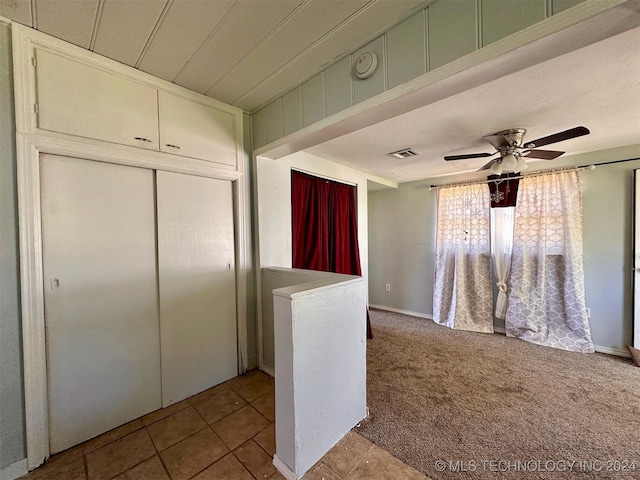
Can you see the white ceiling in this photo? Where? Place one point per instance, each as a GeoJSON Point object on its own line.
{"type": "Point", "coordinates": [597, 86]}
{"type": "Point", "coordinates": [242, 52]}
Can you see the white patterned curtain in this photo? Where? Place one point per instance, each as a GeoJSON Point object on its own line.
{"type": "Point", "coordinates": [502, 224]}
{"type": "Point", "coordinates": [462, 296]}
{"type": "Point", "coordinates": [546, 301]}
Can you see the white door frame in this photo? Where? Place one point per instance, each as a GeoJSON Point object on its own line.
{"type": "Point", "coordinates": [29, 148]}
{"type": "Point", "coordinates": [636, 259]}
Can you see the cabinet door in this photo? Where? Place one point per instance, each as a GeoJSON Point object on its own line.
{"type": "Point", "coordinates": [196, 271]}
{"type": "Point", "coordinates": [86, 101]}
{"type": "Point", "coordinates": [101, 297]}
{"type": "Point", "coordinates": [196, 130]}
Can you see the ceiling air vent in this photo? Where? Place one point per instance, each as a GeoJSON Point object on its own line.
{"type": "Point", "coordinates": [404, 153]}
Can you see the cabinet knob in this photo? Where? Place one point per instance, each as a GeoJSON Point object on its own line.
{"type": "Point", "coordinates": [170, 145]}
{"type": "Point", "coordinates": [142, 139]}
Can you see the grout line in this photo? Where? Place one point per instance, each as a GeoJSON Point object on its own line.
{"type": "Point", "coordinates": [208, 466]}
{"type": "Point", "coordinates": [199, 414]}
{"type": "Point", "coordinates": [333, 471]}
{"type": "Point", "coordinates": [243, 464]}
{"type": "Point", "coordinates": [85, 465]}
{"type": "Point", "coordinates": [363, 458]}
{"type": "Point", "coordinates": [254, 441]}
{"type": "Point", "coordinates": [166, 469]}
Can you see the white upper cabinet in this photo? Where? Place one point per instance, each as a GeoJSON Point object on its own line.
{"type": "Point", "coordinates": [67, 94]}
{"type": "Point", "coordinates": [196, 130]}
{"type": "Point", "coordinates": [86, 101]}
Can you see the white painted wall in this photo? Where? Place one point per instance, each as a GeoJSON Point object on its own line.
{"type": "Point", "coordinates": [320, 338]}
{"type": "Point", "coordinates": [273, 180]}
{"type": "Point", "coordinates": [271, 279]}
{"type": "Point", "coordinates": [402, 244]}
{"type": "Point", "coordinates": [274, 204]}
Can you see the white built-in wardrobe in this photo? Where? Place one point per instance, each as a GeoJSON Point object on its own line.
{"type": "Point", "coordinates": [139, 292]}
{"type": "Point", "coordinates": [131, 211]}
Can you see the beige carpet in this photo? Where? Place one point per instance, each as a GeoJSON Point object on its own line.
{"type": "Point", "coordinates": [496, 407]}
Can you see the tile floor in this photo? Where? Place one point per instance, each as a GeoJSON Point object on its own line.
{"type": "Point", "coordinates": [226, 432]}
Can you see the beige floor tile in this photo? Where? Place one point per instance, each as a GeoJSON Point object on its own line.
{"type": "Point", "coordinates": [151, 469]}
{"type": "Point", "coordinates": [207, 393]}
{"type": "Point", "coordinates": [227, 468]}
{"type": "Point", "coordinates": [266, 405]}
{"type": "Point", "coordinates": [240, 426]}
{"type": "Point", "coordinates": [111, 436]}
{"type": "Point", "coordinates": [345, 456]}
{"type": "Point", "coordinates": [255, 459]}
{"type": "Point", "coordinates": [380, 465]}
{"type": "Point", "coordinates": [252, 385]}
{"type": "Point", "coordinates": [320, 472]}
{"type": "Point", "coordinates": [175, 428]}
{"type": "Point", "coordinates": [153, 417]}
{"type": "Point", "coordinates": [70, 471]}
{"type": "Point", "coordinates": [219, 405]}
{"type": "Point", "coordinates": [190, 456]}
{"type": "Point", "coordinates": [119, 456]}
{"type": "Point", "coordinates": [267, 439]}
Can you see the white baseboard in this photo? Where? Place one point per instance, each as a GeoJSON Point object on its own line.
{"type": "Point", "coordinates": [14, 470]}
{"type": "Point", "coordinates": [613, 351]}
{"type": "Point", "coordinates": [404, 312]}
{"type": "Point", "coordinates": [283, 468]}
{"type": "Point", "coordinates": [620, 352]}
{"type": "Point", "coordinates": [268, 371]}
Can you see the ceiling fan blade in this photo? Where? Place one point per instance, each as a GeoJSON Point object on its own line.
{"type": "Point", "coordinates": [469, 155]}
{"type": "Point", "coordinates": [558, 137]}
{"type": "Point", "coordinates": [488, 165]}
{"type": "Point", "coordinates": [497, 140]}
{"type": "Point", "coordinates": [544, 154]}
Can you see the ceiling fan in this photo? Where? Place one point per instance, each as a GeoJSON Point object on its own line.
{"type": "Point", "coordinates": [511, 149]}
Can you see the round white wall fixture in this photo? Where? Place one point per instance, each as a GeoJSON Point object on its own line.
{"type": "Point", "coordinates": [366, 65]}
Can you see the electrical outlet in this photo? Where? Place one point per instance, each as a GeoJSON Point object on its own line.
{"type": "Point", "coordinates": [387, 287]}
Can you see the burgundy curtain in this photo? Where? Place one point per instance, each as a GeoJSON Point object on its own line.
{"type": "Point", "coordinates": [310, 214]}
{"type": "Point", "coordinates": [344, 253]}
{"type": "Point", "coordinates": [325, 226]}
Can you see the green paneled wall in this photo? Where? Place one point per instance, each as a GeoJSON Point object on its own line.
{"type": "Point", "coordinates": [407, 50]}
{"type": "Point", "coordinates": [452, 31]}
{"type": "Point", "coordinates": [441, 33]}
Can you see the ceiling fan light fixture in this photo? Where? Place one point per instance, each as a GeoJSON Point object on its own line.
{"type": "Point", "coordinates": [521, 165]}
{"type": "Point", "coordinates": [509, 163]}
{"type": "Point", "coordinates": [496, 168]}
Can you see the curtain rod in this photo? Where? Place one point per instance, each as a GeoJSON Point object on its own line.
{"type": "Point", "coordinates": [535, 174]}
{"type": "Point", "coordinates": [323, 177]}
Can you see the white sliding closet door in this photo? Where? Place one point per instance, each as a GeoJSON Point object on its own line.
{"type": "Point", "coordinates": [101, 298]}
{"type": "Point", "coordinates": [197, 284]}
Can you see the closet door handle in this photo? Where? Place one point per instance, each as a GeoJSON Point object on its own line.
{"type": "Point", "coordinates": [142, 139]}
{"type": "Point", "coordinates": [170, 145]}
